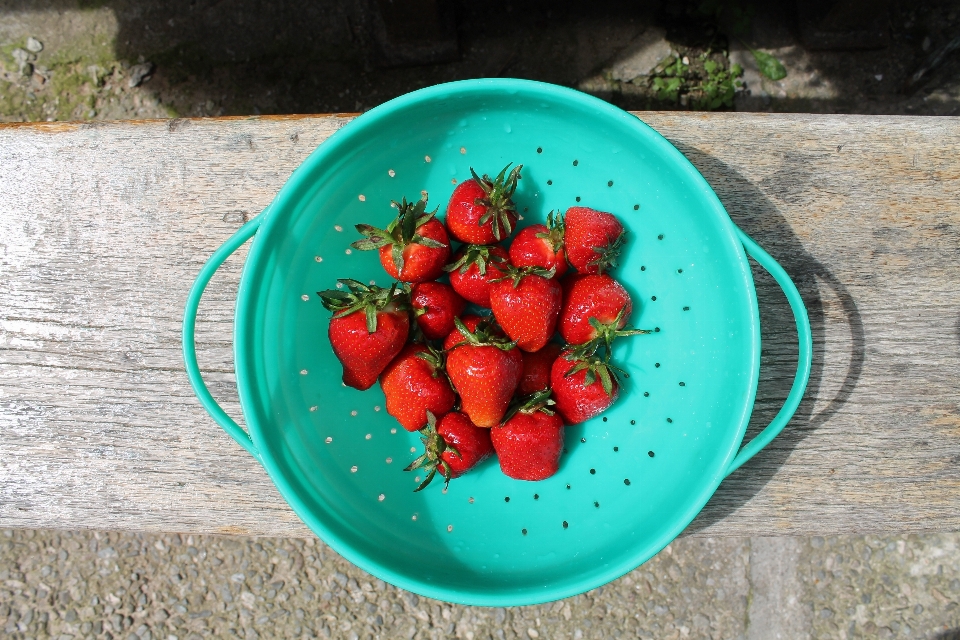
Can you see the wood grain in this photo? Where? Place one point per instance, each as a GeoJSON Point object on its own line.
{"type": "Point", "coordinates": [104, 226]}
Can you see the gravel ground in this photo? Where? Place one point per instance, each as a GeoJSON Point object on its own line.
{"type": "Point", "coordinates": [142, 586]}
{"type": "Point", "coordinates": [58, 584]}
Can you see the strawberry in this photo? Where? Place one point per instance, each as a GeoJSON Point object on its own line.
{"type": "Point", "coordinates": [414, 247]}
{"type": "Point", "coordinates": [536, 369]}
{"type": "Point", "coordinates": [584, 386]}
{"type": "Point", "coordinates": [526, 303]}
{"type": "Point", "coordinates": [529, 443]}
{"type": "Point", "coordinates": [595, 307]}
{"type": "Point", "coordinates": [435, 305]}
{"type": "Point", "coordinates": [472, 323]}
{"type": "Point", "coordinates": [414, 384]}
{"type": "Point", "coordinates": [485, 370]}
{"type": "Point", "coordinates": [472, 270]}
{"type": "Point", "coordinates": [541, 246]}
{"type": "Point", "coordinates": [452, 446]}
{"type": "Point", "coordinates": [481, 211]}
{"type": "Point", "coordinates": [593, 239]}
{"type": "Point", "coordinates": [368, 328]}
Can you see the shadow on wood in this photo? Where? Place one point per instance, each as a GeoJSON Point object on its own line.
{"type": "Point", "coordinates": [760, 218]}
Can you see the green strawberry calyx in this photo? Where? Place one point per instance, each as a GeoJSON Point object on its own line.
{"type": "Point", "coordinates": [498, 199]}
{"type": "Point", "coordinates": [435, 359]}
{"type": "Point", "coordinates": [608, 332]}
{"type": "Point", "coordinates": [476, 254]}
{"type": "Point", "coordinates": [485, 335]}
{"type": "Point", "coordinates": [516, 274]}
{"type": "Point", "coordinates": [538, 401]}
{"type": "Point", "coordinates": [433, 447]}
{"type": "Point", "coordinates": [597, 370]}
{"type": "Point", "coordinates": [371, 299]}
{"type": "Point", "coordinates": [607, 254]}
{"type": "Point", "coordinates": [554, 233]}
{"type": "Point", "coordinates": [400, 233]}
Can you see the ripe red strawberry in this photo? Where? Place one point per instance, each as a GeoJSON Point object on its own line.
{"type": "Point", "coordinates": [594, 307]}
{"type": "Point", "coordinates": [435, 305]}
{"type": "Point", "coordinates": [529, 443]}
{"type": "Point", "coordinates": [481, 210]}
{"type": "Point", "coordinates": [473, 268]}
{"type": "Point", "coordinates": [485, 370]}
{"type": "Point", "coordinates": [593, 239]}
{"type": "Point", "coordinates": [452, 446]}
{"type": "Point", "coordinates": [368, 328]}
{"type": "Point", "coordinates": [414, 247]}
{"type": "Point", "coordinates": [526, 303]}
{"type": "Point", "coordinates": [583, 386]}
{"type": "Point", "coordinates": [536, 369]}
{"type": "Point", "coordinates": [414, 384]}
{"type": "Point", "coordinates": [541, 246]}
{"type": "Point", "coordinates": [472, 323]}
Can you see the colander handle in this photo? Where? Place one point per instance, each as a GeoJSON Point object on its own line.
{"type": "Point", "coordinates": [216, 412]}
{"type": "Point", "coordinates": [805, 355]}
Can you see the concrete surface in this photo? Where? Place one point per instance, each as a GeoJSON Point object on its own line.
{"type": "Point", "coordinates": [146, 586]}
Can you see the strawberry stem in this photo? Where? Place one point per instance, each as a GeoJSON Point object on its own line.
{"type": "Point", "coordinates": [483, 336]}
{"type": "Point", "coordinates": [400, 233]}
{"type": "Point", "coordinates": [517, 274]}
{"type": "Point", "coordinates": [607, 255]}
{"type": "Point", "coordinates": [477, 254]}
{"type": "Point", "coordinates": [370, 298]}
{"type": "Point", "coordinates": [554, 232]}
{"type": "Point", "coordinates": [498, 193]}
{"type": "Point", "coordinates": [430, 460]}
{"type": "Point", "coordinates": [537, 401]}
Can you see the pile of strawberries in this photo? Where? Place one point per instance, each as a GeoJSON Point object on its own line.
{"type": "Point", "coordinates": [475, 384]}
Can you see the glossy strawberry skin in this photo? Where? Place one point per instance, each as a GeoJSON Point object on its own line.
{"type": "Point", "coordinates": [587, 229]}
{"type": "Point", "coordinates": [527, 250]}
{"type": "Point", "coordinates": [485, 377]}
{"type": "Point", "coordinates": [576, 402]}
{"type": "Point", "coordinates": [591, 296]}
{"type": "Point", "coordinates": [420, 263]}
{"type": "Point", "coordinates": [365, 355]}
{"type": "Point", "coordinates": [529, 445]}
{"type": "Point", "coordinates": [412, 386]}
{"type": "Point", "coordinates": [473, 286]}
{"type": "Point", "coordinates": [536, 369]}
{"type": "Point", "coordinates": [471, 442]}
{"type": "Point", "coordinates": [528, 312]}
{"type": "Point", "coordinates": [440, 305]}
{"type": "Point", "coordinates": [463, 215]}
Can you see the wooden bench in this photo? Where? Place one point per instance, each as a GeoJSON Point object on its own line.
{"type": "Point", "coordinates": [103, 227]}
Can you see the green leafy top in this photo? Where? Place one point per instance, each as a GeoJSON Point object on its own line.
{"type": "Point", "coordinates": [486, 334]}
{"type": "Point", "coordinates": [433, 447]}
{"type": "Point", "coordinates": [478, 254]}
{"type": "Point", "coordinates": [369, 298]}
{"type": "Point", "coordinates": [434, 358]}
{"type": "Point", "coordinates": [498, 199]}
{"type": "Point", "coordinates": [400, 233]}
{"type": "Point", "coordinates": [597, 369]}
{"type": "Point", "coordinates": [607, 255]}
{"type": "Point", "coordinates": [516, 274]}
{"type": "Point", "coordinates": [554, 232]}
{"type": "Point", "coordinates": [537, 401]}
{"type": "Point", "coordinates": [607, 333]}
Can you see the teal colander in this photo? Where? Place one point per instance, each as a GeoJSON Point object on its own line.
{"type": "Point", "coordinates": [630, 481]}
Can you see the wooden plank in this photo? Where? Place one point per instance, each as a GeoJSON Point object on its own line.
{"type": "Point", "coordinates": [104, 226]}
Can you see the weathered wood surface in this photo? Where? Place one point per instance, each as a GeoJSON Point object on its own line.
{"type": "Point", "coordinates": [104, 226]}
